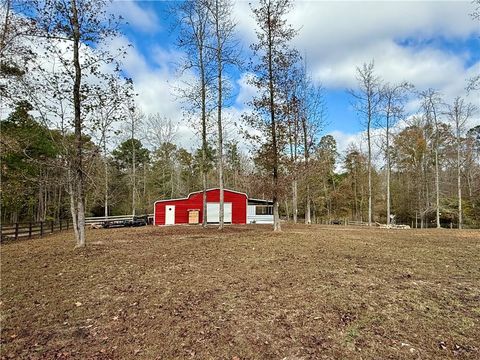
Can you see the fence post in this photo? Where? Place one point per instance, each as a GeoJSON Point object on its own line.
{"type": "Point", "coordinates": [52, 225]}
{"type": "Point", "coordinates": [67, 224]}
{"type": "Point", "coordinates": [30, 230]}
{"type": "Point", "coordinates": [16, 230]}
{"type": "Point", "coordinates": [41, 228]}
{"type": "Point", "coordinates": [60, 225]}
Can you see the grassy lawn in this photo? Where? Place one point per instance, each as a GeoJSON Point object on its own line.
{"type": "Point", "coordinates": [184, 292]}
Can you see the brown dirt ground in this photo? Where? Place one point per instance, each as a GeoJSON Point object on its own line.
{"type": "Point", "coordinates": [313, 292]}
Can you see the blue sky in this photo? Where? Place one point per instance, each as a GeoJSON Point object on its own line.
{"type": "Point", "coordinates": [429, 43]}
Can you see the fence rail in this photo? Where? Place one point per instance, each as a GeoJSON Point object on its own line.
{"type": "Point", "coordinates": [32, 229]}
{"type": "Point", "coordinates": [101, 219]}
{"type": "Point", "coordinates": [357, 223]}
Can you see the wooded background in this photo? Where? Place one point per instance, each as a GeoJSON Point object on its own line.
{"type": "Point", "coordinates": [73, 139]}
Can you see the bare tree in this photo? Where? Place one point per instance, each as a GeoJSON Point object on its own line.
{"type": "Point", "coordinates": [107, 109]}
{"type": "Point", "coordinates": [134, 119]}
{"type": "Point", "coordinates": [80, 26]}
{"type": "Point", "coordinates": [227, 52]}
{"type": "Point", "coordinates": [368, 98]}
{"type": "Point", "coordinates": [275, 58]}
{"type": "Point", "coordinates": [290, 90]}
{"type": "Point", "coordinates": [432, 104]}
{"type": "Point", "coordinates": [312, 118]}
{"type": "Point", "coordinates": [392, 108]}
{"type": "Point", "coordinates": [459, 113]}
{"type": "Point", "coordinates": [193, 21]}
{"type": "Point", "coordinates": [159, 130]}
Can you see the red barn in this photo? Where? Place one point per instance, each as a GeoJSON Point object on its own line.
{"type": "Point", "coordinates": [176, 211]}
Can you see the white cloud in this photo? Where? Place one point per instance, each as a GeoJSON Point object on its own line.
{"type": "Point", "coordinates": [145, 20]}
{"type": "Point", "coordinates": [394, 63]}
{"type": "Point", "coordinates": [337, 36]}
{"type": "Point", "coordinates": [154, 85]}
{"type": "Point", "coordinates": [246, 91]}
{"type": "Point", "coordinates": [330, 25]}
{"type": "Point", "coordinates": [344, 140]}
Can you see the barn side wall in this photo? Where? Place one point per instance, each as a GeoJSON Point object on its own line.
{"type": "Point", "coordinates": [181, 211]}
{"type": "Point", "coordinates": [239, 206]}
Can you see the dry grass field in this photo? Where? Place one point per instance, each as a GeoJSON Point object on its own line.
{"type": "Point", "coordinates": [245, 293]}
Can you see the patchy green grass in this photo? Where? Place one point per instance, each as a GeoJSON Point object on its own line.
{"type": "Point", "coordinates": [184, 292]}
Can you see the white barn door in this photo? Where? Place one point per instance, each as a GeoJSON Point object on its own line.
{"type": "Point", "coordinates": [170, 215]}
{"type": "Point", "coordinates": [213, 212]}
{"type": "Point", "coordinates": [227, 212]}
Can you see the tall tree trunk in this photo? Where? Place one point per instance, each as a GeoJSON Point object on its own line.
{"type": "Point", "coordinates": [308, 210]}
{"type": "Point", "coordinates": [314, 214]}
{"type": "Point", "coordinates": [307, 169]}
{"type": "Point", "coordinates": [418, 185]}
{"type": "Point", "coordinates": [204, 179]}
{"type": "Point", "coordinates": [172, 182]}
{"type": "Point", "coordinates": [134, 169]}
{"type": "Point", "coordinates": [325, 191]}
{"type": "Point", "coordinates": [144, 193]}
{"type": "Point", "coordinates": [469, 187]}
{"type": "Point", "coordinates": [41, 204]}
{"type": "Point", "coordinates": [362, 202]}
{"type": "Point", "coordinates": [388, 168]}
{"type": "Point", "coordinates": [219, 115]}
{"type": "Point", "coordinates": [437, 171]}
{"type": "Point", "coordinates": [355, 196]}
{"type": "Point", "coordinates": [81, 219]}
{"type": "Point", "coordinates": [73, 203]}
{"type": "Point", "coordinates": [459, 177]}
{"type": "Point", "coordinates": [287, 210]}
{"type": "Point", "coordinates": [59, 203]}
{"type": "Point", "coordinates": [276, 214]}
{"type": "Point", "coordinates": [105, 163]}
{"type": "Point", "coordinates": [437, 188]}
{"type": "Point", "coordinates": [204, 133]}
{"type": "Point", "coordinates": [427, 195]}
{"type": "Point", "coordinates": [369, 175]}
{"type": "Point", "coordinates": [78, 162]}
{"type": "Point", "coordinates": [45, 201]}
{"type": "Point", "coordinates": [295, 199]}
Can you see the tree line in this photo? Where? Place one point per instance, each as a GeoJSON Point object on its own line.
{"type": "Point", "coordinates": [75, 141]}
{"type": "Point", "coordinates": [34, 188]}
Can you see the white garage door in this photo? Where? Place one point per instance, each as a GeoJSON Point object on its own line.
{"type": "Point", "coordinates": [213, 212]}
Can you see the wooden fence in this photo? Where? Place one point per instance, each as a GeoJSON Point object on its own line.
{"type": "Point", "coordinates": [32, 229]}
{"type": "Point", "coordinates": [39, 229]}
